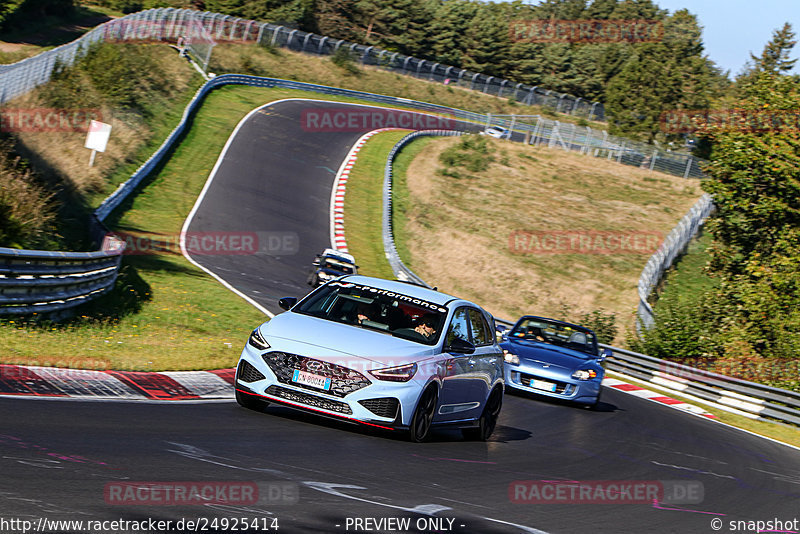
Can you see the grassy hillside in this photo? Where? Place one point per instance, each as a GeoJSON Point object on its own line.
{"type": "Point", "coordinates": [480, 214]}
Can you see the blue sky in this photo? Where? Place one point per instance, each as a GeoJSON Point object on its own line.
{"type": "Point", "coordinates": [734, 28]}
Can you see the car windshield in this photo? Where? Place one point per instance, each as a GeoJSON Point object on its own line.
{"type": "Point", "coordinates": [335, 265]}
{"type": "Point", "coordinates": [376, 309]}
{"type": "Point", "coordinates": [555, 333]}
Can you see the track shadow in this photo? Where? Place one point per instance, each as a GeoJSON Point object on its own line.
{"type": "Point", "coordinates": [502, 434]}
{"type": "Point", "coordinates": [602, 406]}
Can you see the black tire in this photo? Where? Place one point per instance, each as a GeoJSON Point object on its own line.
{"type": "Point", "coordinates": [488, 419]}
{"type": "Point", "coordinates": [595, 405]}
{"type": "Point", "coordinates": [251, 402]}
{"type": "Point", "coordinates": [420, 426]}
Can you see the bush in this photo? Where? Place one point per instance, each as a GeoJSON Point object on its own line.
{"type": "Point", "coordinates": [27, 214]}
{"type": "Point", "coordinates": [471, 153]}
{"type": "Point", "coordinates": [118, 75]}
{"type": "Point", "coordinates": [603, 324]}
{"type": "Point", "coordinates": [344, 59]}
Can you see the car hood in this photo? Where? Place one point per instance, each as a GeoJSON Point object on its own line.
{"type": "Point", "coordinates": [552, 354]}
{"type": "Point", "coordinates": [322, 339]}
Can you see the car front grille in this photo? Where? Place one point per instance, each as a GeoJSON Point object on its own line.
{"type": "Point", "coordinates": [343, 380]}
{"type": "Point", "coordinates": [310, 400]}
{"type": "Point", "coordinates": [383, 407]}
{"type": "Point", "coordinates": [248, 373]}
{"type": "Point", "coordinates": [562, 388]}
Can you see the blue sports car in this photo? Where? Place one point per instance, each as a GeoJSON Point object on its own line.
{"type": "Point", "coordinates": [554, 359]}
{"type": "Point", "coordinates": [384, 354]}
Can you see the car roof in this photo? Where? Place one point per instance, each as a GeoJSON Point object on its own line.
{"type": "Point", "coordinates": [411, 290]}
{"type": "Point", "coordinates": [563, 323]}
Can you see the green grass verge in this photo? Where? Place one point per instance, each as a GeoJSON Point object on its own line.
{"type": "Point", "coordinates": [363, 206]}
{"type": "Point", "coordinates": [685, 281]}
{"type": "Point", "coordinates": [780, 432]}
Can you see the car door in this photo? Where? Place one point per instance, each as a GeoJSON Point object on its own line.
{"type": "Point", "coordinates": [456, 398]}
{"type": "Point", "coordinates": [483, 364]}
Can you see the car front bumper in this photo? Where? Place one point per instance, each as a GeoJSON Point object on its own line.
{"type": "Point", "coordinates": [378, 403]}
{"type": "Point", "coordinates": [533, 380]}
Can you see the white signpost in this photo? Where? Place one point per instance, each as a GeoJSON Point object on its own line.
{"type": "Point", "coordinates": [97, 138]}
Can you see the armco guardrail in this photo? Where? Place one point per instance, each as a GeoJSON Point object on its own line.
{"type": "Point", "coordinates": [674, 245]}
{"type": "Point", "coordinates": [38, 281]}
{"type": "Point", "coordinates": [400, 270]}
{"type": "Point", "coordinates": [240, 79]}
{"type": "Point", "coordinates": [757, 401]}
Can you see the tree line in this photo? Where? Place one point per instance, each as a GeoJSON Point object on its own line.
{"type": "Point", "coordinates": [635, 80]}
{"type": "Point", "coordinates": [751, 315]}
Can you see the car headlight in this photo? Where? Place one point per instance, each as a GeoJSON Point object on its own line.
{"type": "Point", "coordinates": [257, 340]}
{"type": "Point", "coordinates": [510, 357]}
{"type": "Point", "coordinates": [324, 276]}
{"type": "Point", "coordinates": [584, 374]}
{"type": "Point", "coordinates": [401, 373]}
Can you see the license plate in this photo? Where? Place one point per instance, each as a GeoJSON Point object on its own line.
{"type": "Point", "coordinates": [542, 384]}
{"type": "Point", "coordinates": [309, 379]}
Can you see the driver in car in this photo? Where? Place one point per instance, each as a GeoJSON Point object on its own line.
{"type": "Point", "coordinates": [426, 325]}
{"type": "Point", "coordinates": [535, 333]}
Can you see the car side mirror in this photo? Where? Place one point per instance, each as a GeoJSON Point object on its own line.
{"type": "Point", "coordinates": [459, 346]}
{"type": "Point", "coordinates": [605, 353]}
{"type": "Point", "coordinates": [315, 263]}
{"type": "Point", "coordinates": [287, 302]}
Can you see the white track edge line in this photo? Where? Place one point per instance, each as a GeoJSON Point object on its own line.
{"type": "Point", "coordinates": [714, 420]}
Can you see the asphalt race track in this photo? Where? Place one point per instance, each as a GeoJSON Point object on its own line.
{"type": "Point", "coordinates": [275, 180]}
{"type": "Point", "coordinates": [62, 459]}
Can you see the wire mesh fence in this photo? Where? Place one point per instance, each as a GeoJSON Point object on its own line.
{"type": "Point", "coordinates": [538, 130]}
{"type": "Point", "coordinates": [200, 31]}
{"type": "Point", "coordinates": [226, 28]}
{"type": "Point", "coordinates": [179, 26]}
{"type": "Point", "coordinates": [674, 245]}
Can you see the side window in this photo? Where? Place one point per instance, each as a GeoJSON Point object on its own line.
{"type": "Point", "coordinates": [480, 328]}
{"type": "Point", "coordinates": [459, 326]}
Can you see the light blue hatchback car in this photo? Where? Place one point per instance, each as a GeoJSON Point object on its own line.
{"type": "Point", "coordinates": [381, 353]}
